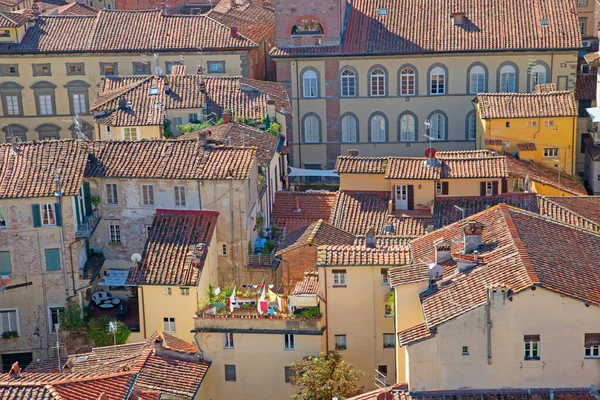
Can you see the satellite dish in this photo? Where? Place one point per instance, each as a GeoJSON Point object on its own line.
{"type": "Point", "coordinates": [430, 152]}
{"type": "Point", "coordinates": [112, 327]}
{"type": "Point", "coordinates": [436, 271]}
{"type": "Point", "coordinates": [158, 71]}
{"type": "Point", "coordinates": [136, 257]}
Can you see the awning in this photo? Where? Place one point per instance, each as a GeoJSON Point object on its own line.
{"type": "Point", "coordinates": [594, 113]}
{"type": "Point", "coordinates": [115, 277]}
{"type": "Point", "coordinates": [328, 173]}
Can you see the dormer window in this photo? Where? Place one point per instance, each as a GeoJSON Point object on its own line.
{"type": "Point", "coordinates": [153, 91]}
{"type": "Point", "coordinates": [458, 18]}
{"type": "Point", "coordinates": [307, 27]}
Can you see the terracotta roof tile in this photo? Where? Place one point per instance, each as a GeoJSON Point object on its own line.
{"type": "Point", "coordinates": [366, 165]}
{"type": "Point", "coordinates": [489, 25]}
{"type": "Point", "coordinates": [407, 226]}
{"type": "Point", "coordinates": [306, 286]}
{"type": "Point", "coordinates": [317, 234]}
{"type": "Point", "coordinates": [585, 207]}
{"type": "Point", "coordinates": [172, 376]}
{"type": "Point", "coordinates": [356, 212]}
{"type": "Point", "coordinates": [585, 87]}
{"type": "Point", "coordinates": [12, 20]}
{"type": "Point", "coordinates": [30, 169]}
{"type": "Point", "coordinates": [414, 334]}
{"type": "Point", "coordinates": [549, 176]}
{"type": "Point", "coordinates": [174, 235]}
{"type": "Point", "coordinates": [527, 105]}
{"type": "Point", "coordinates": [297, 210]}
{"type": "Point", "coordinates": [526, 146]}
{"type": "Point", "coordinates": [356, 255]}
{"type": "Point", "coordinates": [481, 394]}
{"type": "Point", "coordinates": [592, 148]}
{"type": "Point", "coordinates": [72, 9]}
{"type": "Point", "coordinates": [409, 274]}
{"type": "Point", "coordinates": [493, 142]}
{"type": "Point", "coordinates": [255, 22]}
{"type": "Point", "coordinates": [592, 57]}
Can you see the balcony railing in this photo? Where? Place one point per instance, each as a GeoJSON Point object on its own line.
{"type": "Point", "coordinates": [262, 260]}
{"type": "Point", "coordinates": [89, 224]}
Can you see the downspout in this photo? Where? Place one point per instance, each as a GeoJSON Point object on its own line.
{"type": "Point", "coordinates": [45, 296]}
{"type": "Point", "coordinates": [71, 260]}
{"type": "Point", "coordinates": [62, 240]}
{"type": "Point", "coordinates": [298, 123]}
{"type": "Point", "coordinates": [233, 260]}
{"type": "Point", "coordinates": [574, 148]}
{"type": "Point", "coordinates": [141, 295]}
{"type": "Point", "coordinates": [326, 315]}
{"type": "Point", "coordinates": [488, 325]}
{"type": "Point", "coordinates": [199, 196]}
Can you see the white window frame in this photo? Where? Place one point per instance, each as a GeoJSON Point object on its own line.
{"type": "Point", "coordinates": [339, 279]}
{"type": "Point", "coordinates": [387, 343]}
{"type": "Point", "coordinates": [17, 327]}
{"type": "Point", "coordinates": [45, 101]}
{"type": "Point", "coordinates": [477, 79]}
{"type": "Point", "coordinates": [79, 103]}
{"type": "Point", "coordinates": [378, 129]}
{"type": "Point", "coordinates": [437, 81]}
{"type": "Point", "coordinates": [112, 194]}
{"type": "Point", "coordinates": [228, 340]}
{"type": "Point", "coordinates": [169, 324]}
{"type": "Point", "coordinates": [439, 188]}
{"type": "Point", "coordinates": [167, 291]}
{"type": "Point", "coordinates": [593, 350]}
{"type": "Point", "coordinates": [549, 122]}
{"type": "Point", "coordinates": [508, 79]}
{"type": "Point", "coordinates": [407, 128]}
{"type": "Point", "coordinates": [349, 129]}
{"type": "Point", "coordinates": [408, 82]}
{"type": "Point", "coordinates": [540, 73]}
{"type": "Point", "coordinates": [348, 83]}
{"type": "Point", "coordinates": [311, 129]}
{"type": "Point", "coordinates": [60, 310]}
{"type": "Point", "coordinates": [438, 127]}
{"type": "Point", "coordinates": [472, 128]}
{"type": "Point", "coordinates": [48, 214]}
{"type": "Point", "coordinates": [310, 84]}
{"type": "Point", "coordinates": [114, 233]}
{"type": "Point", "coordinates": [377, 82]}
{"type": "Point", "coordinates": [385, 278]}
{"type": "Point", "coordinates": [179, 192]}
{"type": "Point", "coordinates": [184, 291]}
{"type": "Point", "coordinates": [130, 133]}
{"type": "Point", "coordinates": [289, 341]}
{"type": "Point", "coordinates": [551, 152]}
{"type": "Point", "coordinates": [489, 188]}
{"type": "Point", "coordinates": [12, 104]}
{"type": "Point", "coordinates": [148, 195]}
{"type": "Point", "coordinates": [529, 350]}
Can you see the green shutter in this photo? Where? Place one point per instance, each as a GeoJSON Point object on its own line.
{"type": "Point", "coordinates": [5, 267]}
{"type": "Point", "coordinates": [58, 214]}
{"type": "Point", "coordinates": [87, 198]}
{"type": "Point", "coordinates": [78, 215]}
{"type": "Point", "coordinates": [52, 260]}
{"type": "Point", "coordinates": [37, 217]}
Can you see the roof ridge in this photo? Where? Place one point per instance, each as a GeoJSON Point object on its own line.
{"type": "Point", "coordinates": [553, 220]}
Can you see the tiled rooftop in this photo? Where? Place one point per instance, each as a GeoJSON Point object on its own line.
{"type": "Point", "coordinates": [527, 105]}
{"type": "Point", "coordinates": [489, 25]}
{"type": "Point", "coordinates": [254, 21]}
{"type": "Point", "coordinates": [586, 207]}
{"type": "Point", "coordinates": [31, 169]}
{"type": "Point", "coordinates": [308, 285]}
{"type": "Point", "coordinates": [482, 394]}
{"type": "Point", "coordinates": [174, 235]}
{"type": "Point", "coordinates": [409, 274]}
{"type": "Point", "coordinates": [317, 234]}
{"type": "Point", "coordinates": [549, 176]}
{"type": "Point", "coordinates": [297, 210]}
{"type": "Point", "coordinates": [73, 9]}
{"type": "Point", "coordinates": [592, 148]}
{"type": "Point", "coordinates": [359, 255]}
{"type": "Point", "coordinates": [12, 20]}
{"type": "Point", "coordinates": [357, 212]}
{"type": "Point", "coordinates": [585, 86]}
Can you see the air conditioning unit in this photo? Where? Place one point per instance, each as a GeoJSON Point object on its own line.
{"type": "Point", "coordinates": [587, 43]}
{"type": "Point", "coordinates": [506, 144]}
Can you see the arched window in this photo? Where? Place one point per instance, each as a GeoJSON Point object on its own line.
{"type": "Point", "coordinates": [538, 76]}
{"type": "Point", "coordinates": [12, 100]}
{"type": "Point", "coordinates": [312, 128]}
{"type": "Point", "coordinates": [348, 83]}
{"type": "Point", "coordinates": [307, 27]}
{"type": "Point", "coordinates": [310, 84]}
{"type": "Point", "coordinates": [438, 126]}
{"type": "Point", "coordinates": [407, 82]}
{"type": "Point", "coordinates": [407, 128]}
{"type": "Point", "coordinates": [508, 79]}
{"type": "Point", "coordinates": [377, 82]}
{"type": "Point", "coordinates": [48, 132]}
{"type": "Point", "coordinates": [15, 133]}
{"type": "Point", "coordinates": [378, 128]}
{"type": "Point", "coordinates": [477, 79]}
{"type": "Point", "coordinates": [349, 128]}
{"type": "Point", "coordinates": [437, 81]}
{"type": "Point", "coordinates": [472, 127]}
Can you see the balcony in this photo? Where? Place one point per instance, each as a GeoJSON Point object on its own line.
{"type": "Point", "coordinates": [89, 224]}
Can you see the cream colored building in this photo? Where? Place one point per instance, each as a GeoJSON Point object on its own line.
{"type": "Point", "coordinates": [366, 75]}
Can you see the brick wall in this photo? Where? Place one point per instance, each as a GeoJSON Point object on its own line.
{"type": "Point", "coordinates": [298, 262]}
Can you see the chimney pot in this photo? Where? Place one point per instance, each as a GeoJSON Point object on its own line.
{"type": "Point", "coordinates": [234, 32]}
{"type": "Point", "coordinates": [353, 152]}
{"type": "Point", "coordinates": [226, 117]}
{"type": "Point", "coordinates": [442, 251]}
{"type": "Point", "coordinates": [158, 347]}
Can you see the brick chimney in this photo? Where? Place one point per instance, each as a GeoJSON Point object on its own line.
{"type": "Point", "coordinates": [472, 233]}
{"type": "Point", "coordinates": [226, 117]}
{"type": "Point", "coordinates": [353, 152]}
{"type": "Point", "coordinates": [271, 109]}
{"type": "Point", "coordinates": [158, 346]}
{"type": "Point", "coordinates": [234, 32]}
{"type": "Point", "coordinates": [442, 251]}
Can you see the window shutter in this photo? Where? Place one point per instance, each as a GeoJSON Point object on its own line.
{"type": "Point", "coordinates": [58, 214]}
{"type": "Point", "coordinates": [411, 197]}
{"type": "Point", "coordinates": [37, 216]}
{"type": "Point", "coordinates": [495, 188]}
{"type": "Point", "coordinates": [504, 185]}
{"type": "Point", "coordinates": [445, 187]}
{"type": "Point", "coordinates": [87, 198]}
{"type": "Point", "coordinates": [482, 188]}
{"type": "Point", "coordinates": [592, 339]}
{"type": "Point", "coordinates": [77, 210]}
{"type": "Point", "coordinates": [5, 267]}
{"type": "Point", "coordinates": [52, 260]}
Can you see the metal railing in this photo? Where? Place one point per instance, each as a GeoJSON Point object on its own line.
{"type": "Point", "coordinates": [87, 227]}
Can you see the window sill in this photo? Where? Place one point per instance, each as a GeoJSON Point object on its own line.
{"type": "Point", "coordinates": [389, 347]}
{"type": "Point", "coordinates": [228, 348]}
{"type": "Point", "coordinates": [48, 225]}
{"type": "Point", "coordinates": [532, 359]}
{"type": "Point", "coordinates": [592, 357]}
{"type": "Point", "coordinates": [288, 349]}
{"type": "Point", "coordinates": [339, 286]}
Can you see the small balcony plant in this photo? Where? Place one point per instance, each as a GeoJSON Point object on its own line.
{"type": "Point", "coordinates": [10, 335]}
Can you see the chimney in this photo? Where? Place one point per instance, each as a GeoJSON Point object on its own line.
{"type": "Point", "coordinates": [158, 346]}
{"type": "Point", "coordinates": [15, 371]}
{"type": "Point", "coordinates": [271, 109]}
{"type": "Point", "coordinates": [390, 207]}
{"type": "Point", "coordinates": [370, 240]}
{"type": "Point", "coordinates": [298, 209]}
{"type": "Point", "coordinates": [69, 366]}
{"type": "Point", "coordinates": [226, 117]}
{"type": "Point", "coordinates": [353, 152]}
{"type": "Point", "coordinates": [472, 236]}
{"type": "Point", "coordinates": [458, 18]}
{"type": "Point", "coordinates": [234, 32]}
{"type": "Point", "coordinates": [442, 251]}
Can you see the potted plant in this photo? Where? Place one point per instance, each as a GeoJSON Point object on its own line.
{"type": "Point", "coordinates": [95, 200]}
{"type": "Point", "coordinates": [10, 335]}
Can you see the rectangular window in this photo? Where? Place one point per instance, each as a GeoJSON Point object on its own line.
{"type": "Point", "coordinates": [517, 184]}
{"type": "Point", "coordinates": [489, 188]}
{"type": "Point", "coordinates": [8, 321]}
{"type": "Point", "coordinates": [114, 234]}
{"type": "Point", "coordinates": [167, 291]}
{"type": "Point", "coordinates": [148, 195]}
{"type": "Point", "coordinates": [340, 342]}
{"type": "Point", "coordinates": [169, 324]}
{"type": "Point", "coordinates": [52, 259]}
{"type": "Point", "coordinates": [141, 68]}
{"type": "Point", "coordinates": [438, 188]}
{"type": "Point", "coordinates": [194, 118]}
{"type": "Point", "coordinates": [288, 341]}
{"type": "Point", "coordinates": [385, 276]}
{"type": "Point", "coordinates": [9, 70]}
{"type": "Point", "coordinates": [289, 372]}
{"type": "Point", "coordinates": [582, 26]}
{"type": "Point", "coordinates": [108, 69]}
{"type": "Point", "coordinates": [228, 338]}
{"type": "Point", "coordinates": [179, 196]}
{"type": "Point", "coordinates": [2, 217]}
{"type": "Point", "coordinates": [12, 105]}
{"type": "Point", "coordinates": [79, 106]}
{"type": "Point", "coordinates": [389, 340]}
{"type": "Point", "coordinates": [592, 345]}
{"type": "Point", "coordinates": [216, 67]}
{"type": "Point", "coordinates": [111, 194]}
{"type": "Point", "coordinates": [549, 122]}
{"type": "Point", "coordinates": [5, 265]}
{"type": "Point", "coordinates": [48, 215]}
{"type": "Point", "coordinates": [507, 124]}
{"type": "Point", "coordinates": [438, 84]}
{"type": "Point", "coordinates": [581, 109]}
{"type": "Point", "coordinates": [532, 347]}
{"type": "Point", "coordinates": [339, 277]}
{"type": "Point", "coordinates": [75, 69]}
{"type": "Point", "coordinates": [45, 101]}
{"type": "Point", "coordinates": [465, 350]}
{"type": "Point", "coordinates": [550, 152]}
{"type": "Point", "coordinates": [130, 133]}
{"type": "Point", "coordinates": [5, 33]}
{"type": "Point", "coordinates": [532, 123]}
{"type": "Point", "coordinates": [41, 70]}
{"type": "Point", "coordinates": [184, 291]}
{"type": "Point", "coordinates": [582, 3]}
{"type": "Point", "coordinates": [55, 313]}
{"type": "Point", "coordinates": [230, 375]}
{"type": "Point", "coordinates": [389, 311]}
{"type": "Point", "coordinates": [382, 369]}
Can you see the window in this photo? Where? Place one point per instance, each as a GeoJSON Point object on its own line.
{"type": "Point", "coordinates": [8, 321]}
{"type": "Point", "coordinates": [5, 265]}
{"type": "Point", "coordinates": [184, 291]}
{"type": "Point", "coordinates": [508, 79]}
{"type": "Point", "coordinates": [551, 152]}
{"type": "Point", "coordinates": [465, 350]}
{"type": "Point", "coordinates": [377, 77]}
{"type": "Point", "coordinates": [289, 373]}
{"type": "Point", "coordinates": [114, 233]}
{"type": "Point", "coordinates": [48, 132]}
{"type": "Point", "coordinates": [437, 81]}
{"type": "Point", "coordinates": [438, 188]}
{"type": "Point", "coordinates": [108, 69]}
{"type": "Point", "coordinates": [111, 193]}
{"type": "Point", "coordinates": [179, 196]}
{"type": "Point", "coordinates": [581, 109]}
{"type": "Point", "coordinates": [477, 79]}
{"type": "Point", "coordinates": [169, 66]}
{"type": "Point", "coordinates": [288, 341]}
{"type": "Point", "coordinates": [389, 340]}
{"type": "Point", "coordinates": [582, 3]}
{"type": "Point", "coordinates": [45, 104]}
{"type": "Point", "coordinates": [532, 347]}
{"type": "Point", "coordinates": [538, 76]}
{"type": "Point", "coordinates": [228, 340]}
{"type": "Point", "coordinates": [312, 127]}
{"type": "Point", "coordinates": [79, 104]}
{"type": "Point", "coordinates": [388, 311]}
{"type": "Point", "coordinates": [10, 93]}
{"type": "Point", "coordinates": [549, 122]}
{"type": "Point", "coordinates": [340, 342]}
{"type": "Point", "coordinates": [48, 215]}
{"type": "Point", "coordinates": [216, 67]}
{"type": "Point", "coordinates": [2, 217]}
{"type": "Point", "coordinates": [194, 118]}
{"type": "Point", "coordinates": [175, 122]}
{"type": "Point", "coordinates": [408, 82]}
{"type": "Point", "coordinates": [148, 195]}
{"type": "Point", "coordinates": [349, 127]}
{"type": "Point", "coordinates": [533, 123]}
{"type": "Point", "coordinates": [230, 375]}
{"type": "Point", "coordinates": [408, 131]}
{"type": "Point", "coordinates": [223, 249]}
{"type": "Point", "coordinates": [169, 324]}
{"type": "Point", "coordinates": [378, 129]}
{"type": "Point", "coordinates": [518, 184]}
{"type": "Point", "coordinates": [310, 86]}
{"type": "Point", "coordinates": [438, 126]}
{"type": "Point", "coordinates": [582, 26]}
{"type": "Point", "coordinates": [585, 69]}
{"type": "Point", "coordinates": [385, 276]}
{"type": "Point", "coordinates": [130, 133]}
{"type": "Point", "coordinates": [55, 313]}
{"type": "Point", "coordinates": [52, 259]}
{"type": "Point", "coordinates": [167, 291]}
{"type": "Point", "coordinates": [348, 83]}
{"type": "Point", "coordinates": [383, 369]}
{"type": "Point", "coordinates": [75, 68]}
{"type": "Point", "coordinates": [489, 188]}
{"type": "Point", "coordinates": [9, 70]}
{"type": "Point", "coordinates": [507, 124]}
{"type": "Point", "coordinates": [12, 105]}
{"type": "Point", "coordinates": [4, 33]}
{"type": "Point", "coordinates": [339, 277]}
{"type": "Point", "coordinates": [41, 69]}
{"type": "Point", "coordinates": [472, 127]}
{"type": "Point", "coordinates": [592, 345]}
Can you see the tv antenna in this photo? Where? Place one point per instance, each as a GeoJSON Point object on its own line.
{"type": "Point", "coordinates": [158, 70]}
{"type": "Point", "coordinates": [112, 328]}
{"type": "Point", "coordinates": [462, 210]}
{"type": "Point", "coordinates": [77, 127]}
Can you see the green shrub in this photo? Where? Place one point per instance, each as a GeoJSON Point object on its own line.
{"type": "Point", "coordinates": [98, 332]}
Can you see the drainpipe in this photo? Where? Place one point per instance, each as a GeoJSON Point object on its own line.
{"type": "Point", "coordinates": [71, 262]}
{"type": "Point", "coordinates": [233, 260]}
{"type": "Point", "coordinates": [141, 301]}
{"type": "Point", "coordinates": [298, 123]}
{"type": "Point", "coordinates": [488, 325]}
{"type": "Point", "coordinates": [326, 315]}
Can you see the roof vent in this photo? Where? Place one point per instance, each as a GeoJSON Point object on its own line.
{"type": "Point", "coordinates": [458, 18]}
{"type": "Point", "coordinates": [153, 91]}
{"type": "Point", "coordinates": [545, 22]}
{"type": "Point", "coordinates": [382, 11]}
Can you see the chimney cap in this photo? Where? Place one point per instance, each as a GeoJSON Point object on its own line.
{"type": "Point", "coordinates": [473, 228]}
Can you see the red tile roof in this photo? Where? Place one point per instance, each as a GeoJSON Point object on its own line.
{"type": "Point", "coordinates": [365, 165]}
{"type": "Point", "coordinates": [171, 375]}
{"type": "Point", "coordinates": [30, 169]}
{"type": "Point", "coordinates": [12, 20]}
{"type": "Point", "coordinates": [357, 212]}
{"type": "Point", "coordinates": [526, 146]}
{"type": "Point", "coordinates": [585, 86]}
{"type": "Point", "coordinates": [307, 286]}
{"type": "Point", "coordinates": [409, 274]}
{"type": "Point", "coordinates": [407, 226]}
{"type": "Point", "coordinates": [414, 334]}
{"type": "Point", "coordinates": [585, 207]}
{"type": "Point", "coordinates": [174, 235]}
{"type": "Point", "coordinates": [72, 9]}
{"type": "Point", "coordinates": [546, 175]}
{"type": "Point", "coordinates": [489, 25]}
{"type": "Point", "coordinates": [482, 394]}
{"type": "Point", "coordinates": [316, 234]}
{"type": "Point", "coordinates": [296, 210]}
{"type": "Point", "coordinates": [592, 148]}
{"type": "Point", "coordinates": [255, 22]}
{"type": "Point", "coordinates": [527, 105]}
{"type": "Point", "coordinates": [358, 255]}
{"type": "Point", "coordinates": [156, 159]}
